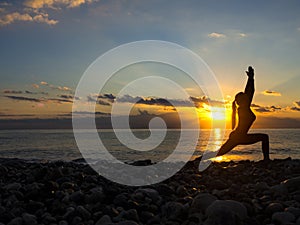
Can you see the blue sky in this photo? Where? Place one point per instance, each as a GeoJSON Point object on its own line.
{"type": "Point", "coordinates": [55, 41]}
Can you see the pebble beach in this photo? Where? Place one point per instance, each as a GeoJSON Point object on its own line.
{"type": "Point", "coordinates": [227, 193]}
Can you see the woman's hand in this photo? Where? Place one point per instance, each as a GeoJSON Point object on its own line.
{"type": "Point", "coordinates": [250, 72]}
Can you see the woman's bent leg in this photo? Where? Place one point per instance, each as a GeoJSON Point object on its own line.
{"type": "Point", "coordinates": [254, 138]}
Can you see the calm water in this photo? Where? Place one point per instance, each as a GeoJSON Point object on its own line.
{"type": "Point", "coordinates": [47, 145]}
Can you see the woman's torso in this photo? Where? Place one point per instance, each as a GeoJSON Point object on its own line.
{"type": "Point", "coordinates": [245, 120]}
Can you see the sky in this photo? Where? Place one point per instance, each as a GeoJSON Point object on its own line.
{"type": "Point", "coordinates": [47, 45]}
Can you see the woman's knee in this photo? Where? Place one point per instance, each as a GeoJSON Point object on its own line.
{"type": "Point", "coordinates": [265, 137]}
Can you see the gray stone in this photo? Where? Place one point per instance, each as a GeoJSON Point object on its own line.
{"type": "Point", "coordinates": [127, 222]}
{"type": "Point", "coordinates": [298, 221]}
{"type": "Point", "coordinates": [201, 202]}
{"type": "Point", "coordinates": [274, 207]}
{"type": "Point", "coordinates": [104, 220]}
{"type": "Point", "coordinates": [16, 221]}
{"type": "Point", "coordinates": [294, 211]}
{"type": "Point", "coordinates": [63, 222]}
{"type": "Point", "coordinates": [172, 210]}
{"type": "Point", "coordinates": [29, 219]}
{"type": "Point", "coordinates": [279, 189]}
{"type": "Point", "coordinates": [283, 217]}
{"type": "Point", "coordinates": [292, 184]}
{"type": "Point", "coordinates": [235, 207]}
{"type": "Point", "coordinates": [84, 213]}
{"type": "Point", "coordinates": [150, 193]}
{"type": "Point", "coordinates": [12, 186]}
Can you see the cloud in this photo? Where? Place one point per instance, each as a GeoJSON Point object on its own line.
{"type": "Point", "coordinates": [22, 98]}
{"type": "Point", "coordinates": [55, 4]}
{"type": "Point", "coordinates": [29, 99]}
{"type": "Point", "coordinates": [265, 109]}
{"type": "Point", "coordinates": [242, 35]}
{"type": "Point", "coordinates": [16, 16]}
{"type": "Point", "coordinates": [35, 86]}
{"type": "Point", "coordinates": [297, 104]}
{"type": "Point", "coordinates": [35, 93]}
{"type": "Point", "coordinates": [35, 10]}
{"type": "Point", "coordinates": [109, 97]}
{"type": "Point", "coordinates": [95, 98]}
{"type": "Point", "coordinates": [61, 88]}
{"type": "Point", "coordinates": [59, 100]}
{"type": "Point", "coordinates": [12, 92]}
{"type": "Point", "coordinates": [68, 97]}
{"type": "Point", "coordinates": [43, 18]}
{"type": "Point", "coordinates": [44, 83]}
{"type": "Point", "coordinates": [271, 93]}
{"type": "Point", "coordinates": [216, 35]}
{"type": "Point", "coordinates": [295, 109]}
{"type": "Point", "coordinates": [153, 101]}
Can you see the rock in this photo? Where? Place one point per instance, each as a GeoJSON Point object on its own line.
{"type": "Point", "coordinates": [181, 191]}
{"type": "Point", "coordinates": [172, 210]}
{"type": "Point", "coordinates": [261, 186]}
{"type": "Point", "coordinates": [77, 197]}
{"type": "Point", "coordinates": [83, 212]}
{"type": "Point", "coordinates": [279, 189]}
{"type": "Point", "coordinates": [165, 190]}
{"type": "Point", "coordinates": [132, 214]}
{"type": "Point", "coordinates": [145, 216]}
{"type": "Point", "coordinates": [235, 207]}
{"type": "Point", "coordinates": [274, 207]}
{"type": "Point", "coordinates": [150, 193]}
{"type": "Point", "coordinates": [298, 221]}
{"type": "Point", "coordinates": [96, 195]}
{"type": "Point", "coordinates": [201, 202]}
{"type": "Point", "coordinates": [292, 184]}
{"type": "Point", "coordinates": [127, 222]}
{"type": "Point", "coordinates": [294, 211]}
{"type": "Point", "coordinates": [217, 184]}
{"type": "Point", "coordinates": [67, 185]}
{"type": "Point", "coordinates": [76, 220]}
{"type": "Point", "coordinates": [29, 219]}
{"type": "Point", "coordinates": [63, 222]}
{"type": "Point", "coordinates": [16, 221]}
{"type": "Point", "coordinates": [104, 220]}
{"type": "Point", "coordinates": [283, 217]}
{"type": "Point", "coordinates": [121, 200]}
{"type": "Point", "coordinates": [12, 187]}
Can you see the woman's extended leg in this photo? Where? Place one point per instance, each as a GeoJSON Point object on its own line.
{"type": "Point", "coordinates": [227, 146]}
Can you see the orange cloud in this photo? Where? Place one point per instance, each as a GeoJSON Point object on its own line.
{"type": "Point", "coordinates": [272, 93]}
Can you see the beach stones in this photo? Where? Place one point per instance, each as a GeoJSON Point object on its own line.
{"type": "Point", "coordinates": [283, 218]}
{"type": "Point", "coordinates": [292, 184]}
{"type": "Point", "coordinates": [232, 193]}
{"type": "Point", "coordinates": [201, 202]}
{"type": "Point", "coordinates": [234, 207]}
{"type": "Point", "coordinates": [274, 207]}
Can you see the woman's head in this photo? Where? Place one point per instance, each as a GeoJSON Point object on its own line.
{"type": "Point", "coordinates": [241, 98]}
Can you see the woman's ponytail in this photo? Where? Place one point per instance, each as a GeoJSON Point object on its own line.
{"type": "Point", "coordinates": [233, 115]}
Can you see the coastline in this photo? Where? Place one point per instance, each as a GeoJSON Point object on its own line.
{"type": "Point", "coordinates": [242, 192]}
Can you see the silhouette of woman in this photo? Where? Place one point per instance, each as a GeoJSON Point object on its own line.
{"type": "Point", "coordinates": [239, 135]}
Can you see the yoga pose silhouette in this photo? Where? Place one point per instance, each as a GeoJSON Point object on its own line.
{"type": "Point", "coordinates": [239, 135]}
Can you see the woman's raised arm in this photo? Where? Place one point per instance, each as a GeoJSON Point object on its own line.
{"type": "Point", "coordinates": [249, 89]}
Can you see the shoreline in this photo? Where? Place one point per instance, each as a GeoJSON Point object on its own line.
{"type": "Point", "coordinates": [235, 192]}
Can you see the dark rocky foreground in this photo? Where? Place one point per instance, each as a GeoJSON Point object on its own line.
{"type": "Point", "coordinates": [227, 193]}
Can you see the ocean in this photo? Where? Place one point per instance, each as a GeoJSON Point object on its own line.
{"type": "Point", "coordinates": [52, 145]}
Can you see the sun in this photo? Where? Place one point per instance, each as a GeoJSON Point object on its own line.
{"type": "Point", "coordinates": [218, 113]}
